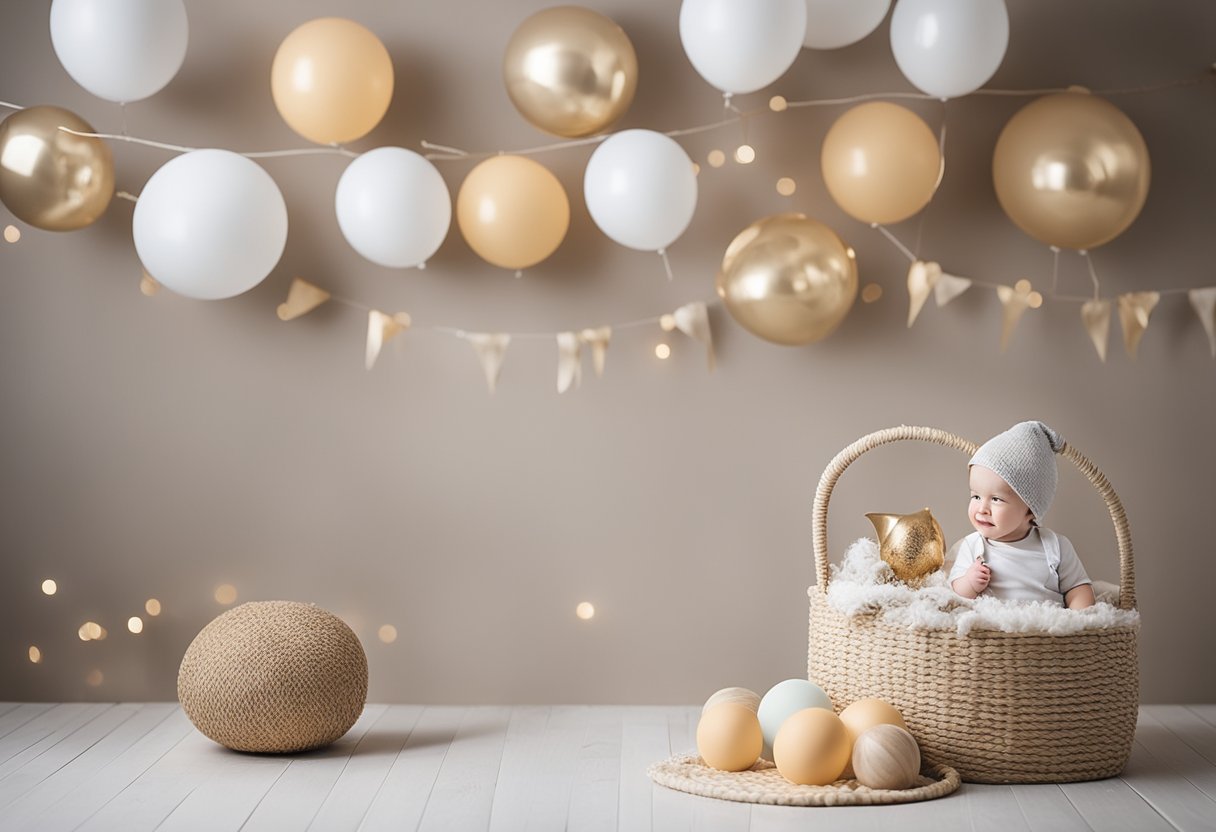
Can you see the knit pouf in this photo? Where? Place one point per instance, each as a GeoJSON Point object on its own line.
{"type": "Point", "coordinates": [274, 676]}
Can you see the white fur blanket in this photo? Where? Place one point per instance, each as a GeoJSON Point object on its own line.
{"type": "Point", "coordinates": [863, 583]}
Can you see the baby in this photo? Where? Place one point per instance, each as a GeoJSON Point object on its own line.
{"type": "Point", "coordinates": [1013, 480]}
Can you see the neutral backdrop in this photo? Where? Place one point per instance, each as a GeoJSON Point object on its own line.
{"type": "Point", "coordinates": [160, 447]}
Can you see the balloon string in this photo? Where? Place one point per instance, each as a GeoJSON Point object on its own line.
{"type": "Point", "coordinates": [666, 263]}
{"type": "Point", "coordinates": [1055, 269]}
{"type": "Point", "coordinates": [256, 154]}
{"type": "Point", "coordinates": [127, 196]}
{"type": "Point", "coordinates": [907, 252]}
{"type": "Point", "coordinates": [1093, 275]}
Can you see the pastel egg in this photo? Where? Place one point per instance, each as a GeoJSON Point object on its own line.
{"type": "Point", "coordinates": [728, 737]}
{"type": "Point", "coordinates": [812, 748]}
{"type": "Point", "coordinates": [782, 701]}
{"type": "Point", "coordinates": [740, 696]}
{"type": "Point", "coordinates": [886, 757]}
{"type": "Point", "coordinates": [864, 714]}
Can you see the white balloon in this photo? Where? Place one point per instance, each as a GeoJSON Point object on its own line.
{"type": "Point", "coordinates": [742, 45]}
{"type": "Point", "coordinates": [640, 189]}
{"type": "Point", "coordinates": [210, 224]}
{"type": "Point", "coordinates": [393, 207]}
{"type": "Point", "coordinates": [120, 50]}
{"type": "Point", "coordinates": [949, 48]}
{"type": "Point", "coordinates": [831, 24]}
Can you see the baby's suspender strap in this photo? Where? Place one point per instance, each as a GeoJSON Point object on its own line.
{"type": "Point", "coordinates": [1051, 547]}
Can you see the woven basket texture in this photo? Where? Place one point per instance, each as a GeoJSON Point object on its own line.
{"type": "Point", "coordinates": [999, 707]}
{"type": "Point", "coordinates": [274, 676]}
{"type": "Point", "coordinates": [763, 784]}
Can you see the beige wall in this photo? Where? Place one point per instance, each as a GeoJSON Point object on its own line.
{"type": "Point", "coordinates": [160, 447]}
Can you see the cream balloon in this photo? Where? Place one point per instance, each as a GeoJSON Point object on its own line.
{"type": "Point", "coordinates": [788, 279]}
{"type": "Point", "coordinates": [881, 162]}
{"type": "Point", "coordinates": [570, 71]}
{"type": "Point", "coordinates": [740, 45]}
{"type": "Point", "coordinates": [1071, 170]}
{"type": "Point", "coordinates": [332, 80]}
{"type": "Point", "coordinates": [393, 207]}
{"type": "Point", "coordinates": [51, 179]}
{"type": "Point", "coordinates": [512, 211]}
{"type": "Point", "coordinates": [831, 24]}
{"type": "Point", "coordinates": [949, 48]}
{"type": "Point", "coordinates": [120, 50]}
{"type": "Point", "coordinates": [210, 224]}
{"type": "Point", "coordinates": [641, 189]}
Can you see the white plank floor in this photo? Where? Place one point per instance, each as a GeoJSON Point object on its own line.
{"type": "Point", "coordinates": [143, 766]}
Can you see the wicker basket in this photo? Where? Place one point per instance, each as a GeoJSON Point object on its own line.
{"type": "Point", "coordinates": [999, 707]}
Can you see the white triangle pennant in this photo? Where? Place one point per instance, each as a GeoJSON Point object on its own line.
{"type": "Point", "coordinates": [922, 277]}
{"type": "Point", "coordinates": [597, 339]}
{"type": "Point", "coordinates": [569, 361]}
{"type": "Point", "coordinates": [381, 329]}
{"type": "Point", "coordinates": [1095, 315]}
{"type": "Point", "coordinates": [1204, 303]}
{"type": "Point", "coordinates": [491, 349]}
{"type": "Point", "coordinates": [949, 287]}
{"type": "Point", "coordinates": [1134, 311]}
{"type": "Point", "coordinates": [693, 320]}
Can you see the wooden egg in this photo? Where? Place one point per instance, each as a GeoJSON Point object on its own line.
{"type": "Point", "coordinates": [729, 737]}
{"type": "Point", "coordinates": [811, 748]}
{"type": "Point", "coordinates": [886, 757]}
{"type": "Point", "coordinates": [740, 696]}
{"type": "Point", "coordinates": [863, 715]}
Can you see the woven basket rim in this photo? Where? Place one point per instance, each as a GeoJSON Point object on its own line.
{"type": "Point", "coordinates": [842, 460]}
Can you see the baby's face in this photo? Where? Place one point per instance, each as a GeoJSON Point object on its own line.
{"type": "Point", "coordinates": [995, 509]}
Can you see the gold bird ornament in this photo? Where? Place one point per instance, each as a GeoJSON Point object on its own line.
{"type": "Point", "coordinates": [912, 544]}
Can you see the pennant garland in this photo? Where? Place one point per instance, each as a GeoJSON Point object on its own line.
{"type": "Point", "coordinates": [491, 349]}
{"type": "Point", "coordinates": [922, 277]}
{"type": "Point", "coordinates": [1095, 315]}
{"type": "Point", "coordinates": [1204, 303]}
{"type": "Point", "coordinates": [381, 329]}
{"type": "Point", "coordinates": [693, 320]}
{"type": "Point", "coordinates": [569, 361]}
{"type": "Point", "coordinates": [1134, 309]}
{"type": "Point", "coordinates": [302, 298]}
{"type": "Point", "coordinates": [949, 287]}
{"type": "Point", "coordinates": [598, 340]}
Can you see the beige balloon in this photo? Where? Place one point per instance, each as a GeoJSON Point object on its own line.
{"type": "Point", "coordinates": [512, 211]}
{"type": "Point", "coordinates": [52, 179]}
{"type": "Point", "coordinates": [332, 80]}
{"type": "Point", "coordinates": [788, 279]}
{"type": "Point", "coordinates": [570, 71]}
{"type": "Point", "coordinates": [1071, 170]}
{"type": "Point", "coordinates": [881, 162]}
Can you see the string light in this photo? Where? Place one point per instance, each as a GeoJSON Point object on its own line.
{"type": "Point", "coordinates": [12, 233]}
{"type": "Point", "coordinates": [152, 607]}
{"type": "Point", "coordinates": [35, 655]}
{"type": "Point", "coordinates": [91, 631]}
{"type": "Point", "coordinates": [778, 104]}
{"type": "Point", "coordinates": [667, 323]}
{"type": "Point", "coordinates": [49, 587]}
{"type": "Point", "coordinates": [662, 351]}
{"type": "Point", "coordinates": [135, 624]}
{"type": "Point", "coordinates": [745, 154]}
{"type": "Point", "coordinates": [387, 633]}
{"type": "Point", "coordinates": [225, 594]}
{"type": "Point", "coordinates": [585, 610]}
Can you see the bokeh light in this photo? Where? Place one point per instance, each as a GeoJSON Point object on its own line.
{"type": "Point", "coordinates": [667, 323]}
{"type": "Point", "coordinates": [585, 610]}
{"type": "Point", "coordinates": [388, 633]}
{"type": "Point", "coordinates": [716, 158]}
{"type": "Point", "coordinates": [35, 654]}
{"type": "Point", "coordinates": [91, 631]}
{"type": "Point", "coordinates": [152, 607]}
{"type": "Point", "coordinates": [135, 624]}
{"type": "Point", "coordinates": [12, 233]}
{"type": "Point", "coordinates": [778, 103]}
{"type": "Point", "coordinates": [662, 351]}
{"type": "Point", "coordinates": [49, 587]}
{"type": "Point", "coordinates": [786, 186]}
{"type": "Point", "coordinates": [95, 678]}
{"type": "Point", "coordinates": [745, 154]}
{"type": "Point", "coordinates": [1022, 287]}
{"type": "Point", "coordinates": [225, 594]}
{"type": "Point", "coordinates": [871, 293]}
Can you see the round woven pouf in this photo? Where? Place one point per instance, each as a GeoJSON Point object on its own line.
{"type": "Point", "coordinates": [274, 676]}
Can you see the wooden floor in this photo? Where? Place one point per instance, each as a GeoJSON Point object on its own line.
{"type": "Point", "coordinates": [143, 766]}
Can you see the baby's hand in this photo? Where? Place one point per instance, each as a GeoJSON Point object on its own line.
{"type": "Point", "coordinates": [978, 575]}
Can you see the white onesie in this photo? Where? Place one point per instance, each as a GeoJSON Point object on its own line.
{"type": "Point", "coordinates": [1042, 566]}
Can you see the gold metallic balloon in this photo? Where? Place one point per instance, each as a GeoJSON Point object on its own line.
{"type": "Point", "coordinates": [332, 80]}
{"type": "Point", "coordinates": [512, 211]}
{"type": "Point", "coordinates": [1071, 170]}
{"type": "Point", "coordinates": [912, 544]}
{"type": "Point", "coordinates": [52, 179]}
{"type": "Point", "coordinates": [881, 162]}
{"type": "Point", "coordinates": [570, 71]}
{"type": "Point", "coordinates": [788, 279]}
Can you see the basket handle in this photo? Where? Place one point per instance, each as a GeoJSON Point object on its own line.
{"type": "Point", "coordinates": [1127, 570]}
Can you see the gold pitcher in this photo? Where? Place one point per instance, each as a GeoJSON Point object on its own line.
{"type": "Point", "coordinates": [912, 544]}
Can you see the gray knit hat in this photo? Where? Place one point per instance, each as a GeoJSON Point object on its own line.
{"type": "Point", "coordinates": [1025, 457]}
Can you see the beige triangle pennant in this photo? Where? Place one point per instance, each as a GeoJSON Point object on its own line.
{"type": "Point", "coordinates": [569, 361]}
{"type": "Point", "coordinates": [148, 285]}
{"type": "Point", "coordinates": [491, 349]}
{"type": "Point", "coordinates": [693, 320]}
{"type": "Point", "coordinates": [949, 287]}
{"type": "Point", "coordinates": [381, 329]}
{"type": "Point", "coordinates": [922, 277]}
{"type": "Point", "coordinates": [598, 340]}
{"type": "Point", "coordinates": [1134, 310]}
{"type": "Point", "coordinates": [1204, 303]}
{"type": "Point", "coordinates": [1015, 303]}
{"type": "Point", "coordinates": [302, 298]}
{"type": "Point", "coordinates": [1095, 315]}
